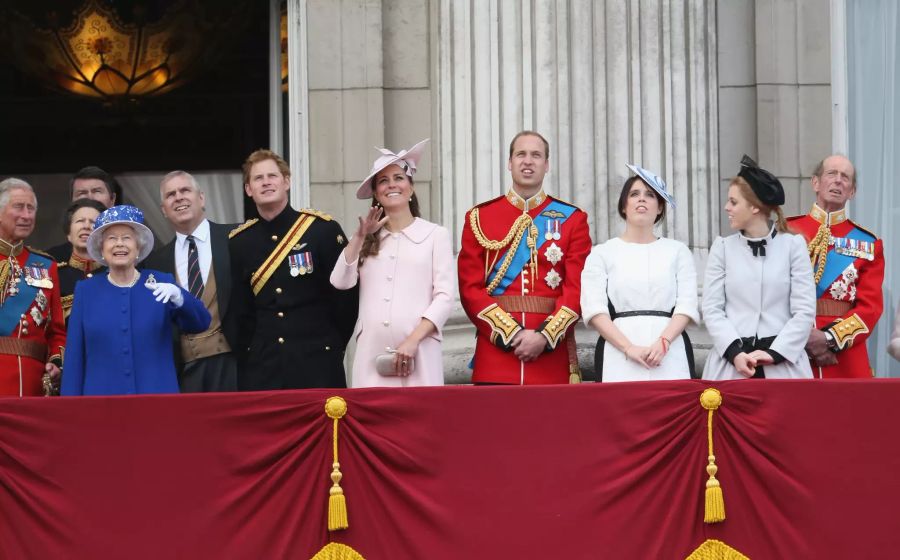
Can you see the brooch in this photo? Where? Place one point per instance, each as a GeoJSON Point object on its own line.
{"type": "Point", "coordinates": [553, 279]}
{"type": "Point", "coordinates": [553, 253]}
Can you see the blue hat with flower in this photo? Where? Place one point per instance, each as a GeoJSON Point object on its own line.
{"type": "Point", "coordinates": [124, 215]}
{"type": "Point", "coordinates": [654, 181]}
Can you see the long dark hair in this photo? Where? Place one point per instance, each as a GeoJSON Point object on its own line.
{"type": "Point", "coordinates": [372, 242]}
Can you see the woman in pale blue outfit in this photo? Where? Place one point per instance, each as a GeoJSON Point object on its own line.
{"type": "Point", "coordinates": [119, 340]}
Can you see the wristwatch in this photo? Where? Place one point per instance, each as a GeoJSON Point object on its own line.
{"type": "Point", "coordinates": [830, 341]}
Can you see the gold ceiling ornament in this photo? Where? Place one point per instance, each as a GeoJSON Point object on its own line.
{"type": "Point", "coordinates": [100, 55]}
{"type": "Point", "coordinates": [714, 512]}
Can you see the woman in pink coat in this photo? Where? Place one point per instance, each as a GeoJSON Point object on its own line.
{"type": "Point", "coordinates": [404, 266]}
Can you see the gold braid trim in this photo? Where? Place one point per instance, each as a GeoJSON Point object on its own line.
{"type": "Point", "coordinates": [514, 236]}
{"type": "Point", "coordinates": [818, 251]}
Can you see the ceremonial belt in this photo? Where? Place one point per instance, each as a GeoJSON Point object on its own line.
{"type": "Point", "coordinates": [527, 304]}
{"type": "Point", "coordinates": [832, 308]}
{"type": "Point", "coordinates": [259, 278]}
{"type": "Point", "coordinates": [613, 315]}
{"type": "Point", "coordinates": [540, 304]}
{"type": "Point", "coordinates": [23, 347]}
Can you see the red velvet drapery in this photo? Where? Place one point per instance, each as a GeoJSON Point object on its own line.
{"type": "Point", "coordinates": [809, 469]}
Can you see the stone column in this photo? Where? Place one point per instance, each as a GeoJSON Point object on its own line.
{"type": "Point", "coordinates": [608, 83]}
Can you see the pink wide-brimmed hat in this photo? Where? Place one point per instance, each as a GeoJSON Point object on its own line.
{"type": "Point", "coordinates": [406, 159]}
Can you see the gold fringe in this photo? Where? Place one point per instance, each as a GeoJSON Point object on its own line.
{"type": "Point", "coordinates": [714, 510]}
{"type": "Point", "coordinates": [336, 408]}
{"type": "Point", "coordinates": [337, 551]}
{"type": "Point", "coordinates": [712, 549]}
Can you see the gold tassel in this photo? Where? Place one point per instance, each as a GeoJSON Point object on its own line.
{"type": "Point", "coordinates": [336, 408]}
{"type": "Point", "coordinates": [337, 551]}
{"type": "Point", "coordinates": [711, 399]}
{"type": "Point", "coordinates": [712, 549]}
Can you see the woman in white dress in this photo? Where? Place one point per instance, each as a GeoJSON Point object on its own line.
{"type": "Point", "coordinates": [639, 291]}
{"type": "Point", "coordinates": [759, 299]}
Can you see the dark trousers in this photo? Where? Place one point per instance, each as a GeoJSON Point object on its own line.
{"type": "Point", "coordinates": [211, 374]}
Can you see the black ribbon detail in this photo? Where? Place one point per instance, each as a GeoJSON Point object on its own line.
{"type": "Point", "coordinates": [759, 247]}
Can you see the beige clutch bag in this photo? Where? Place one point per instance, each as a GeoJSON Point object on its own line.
{"type": "Point", "coordinates": [384, 365]}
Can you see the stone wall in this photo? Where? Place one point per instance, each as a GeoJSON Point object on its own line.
{"type": "Point", "coordinates": [683, 88]}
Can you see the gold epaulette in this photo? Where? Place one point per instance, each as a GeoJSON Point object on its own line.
{"type": "Point", "coordinates": [845, 330]}
{"type": "Point", "coordinates": [242, 227]}
{"type": "Point", "coordinates": [557, 324]}
{"type": "Point", "coordinates": [62, 264]}
{"type": "Point", "coordinates": [39, 252]}
{"type": "Point", "coordinates": [316, 213]}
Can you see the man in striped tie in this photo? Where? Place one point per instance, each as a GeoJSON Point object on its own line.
{"type": "Point", "coordinates": [199, 259]}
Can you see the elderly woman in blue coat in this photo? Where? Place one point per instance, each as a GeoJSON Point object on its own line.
{"type": "Point", "coordinates": [119, 340]}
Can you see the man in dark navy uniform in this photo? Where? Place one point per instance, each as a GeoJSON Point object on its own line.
{"type": "Point", "coordinates": [293, 326]}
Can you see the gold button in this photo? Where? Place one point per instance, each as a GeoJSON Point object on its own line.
{"type": "Point", "coordinates": [89, 275]}
{"type": "Point", "coordinates": [277, 290]}
{"type": "Point", "coordinates": [281, 314]}
{"type": "Point", "coordinates": [525, 290]}
{"type": "Point", "coordinates": [280, 340]}
{"type": "Point", "coordinates": [274, 238]}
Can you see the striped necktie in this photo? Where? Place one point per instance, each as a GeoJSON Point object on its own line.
{"type": "Point", "coordinates": [195, 279]}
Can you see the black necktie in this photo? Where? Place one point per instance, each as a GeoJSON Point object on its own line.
{"type": "Point", "coordinates": [195, 279]}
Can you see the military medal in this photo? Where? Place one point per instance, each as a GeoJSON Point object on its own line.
{"type": "Point", "coordinates": [553, 279]}
{"type": "Point", "coordinates": [854, 248]}
{"type": "Point", "coordinates": [41, 300]}
{"type": "Point", "coordinates": [552, 230]}
{"type": "Point", "coordinates": [553, 253]}
{"type": "Point", "coordinates": [296, 268]}
{"type": "Point", "coordinates": [36, 316]}
{"type": "Point", "coordinates": [37, 276]}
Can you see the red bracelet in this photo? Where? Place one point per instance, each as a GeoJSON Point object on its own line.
{"type": "Point", "coordinates": [665, 343]}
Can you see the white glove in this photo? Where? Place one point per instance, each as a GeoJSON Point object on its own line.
{"type": "Point", "coordinates": [166, 293]}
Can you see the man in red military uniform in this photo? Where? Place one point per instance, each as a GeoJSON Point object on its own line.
{"type": "Point", "coordinates": [520, 275]}
{"type": "Point", "coordinates": [32, 328]}
{"type": "Point", "coordinates": [848, 264]}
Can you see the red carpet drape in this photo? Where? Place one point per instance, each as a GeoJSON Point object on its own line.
{"type": "Point", "coordinates": [809, 469]}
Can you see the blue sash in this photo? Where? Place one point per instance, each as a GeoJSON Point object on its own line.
{"type": "Point", "coordinates": [836, 263]}
{"type": "Point", "coordinates": [14, 306]}
{"type": "Point", "coordinates": [561, 212]}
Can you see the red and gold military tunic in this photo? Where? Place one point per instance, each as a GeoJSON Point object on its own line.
{"type": "Point", "coordinates": [32, 330]}
{"type": "Point", "coordinates": [520, 268]}
{"type": "Point", "coordinates": [848, 264]}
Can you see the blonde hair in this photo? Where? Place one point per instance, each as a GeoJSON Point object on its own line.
{"type": "Point", "coordinates": [746, 191]}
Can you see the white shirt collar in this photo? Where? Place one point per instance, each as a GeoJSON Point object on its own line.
{"type": "Point", "coordinates": [200, 233]}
